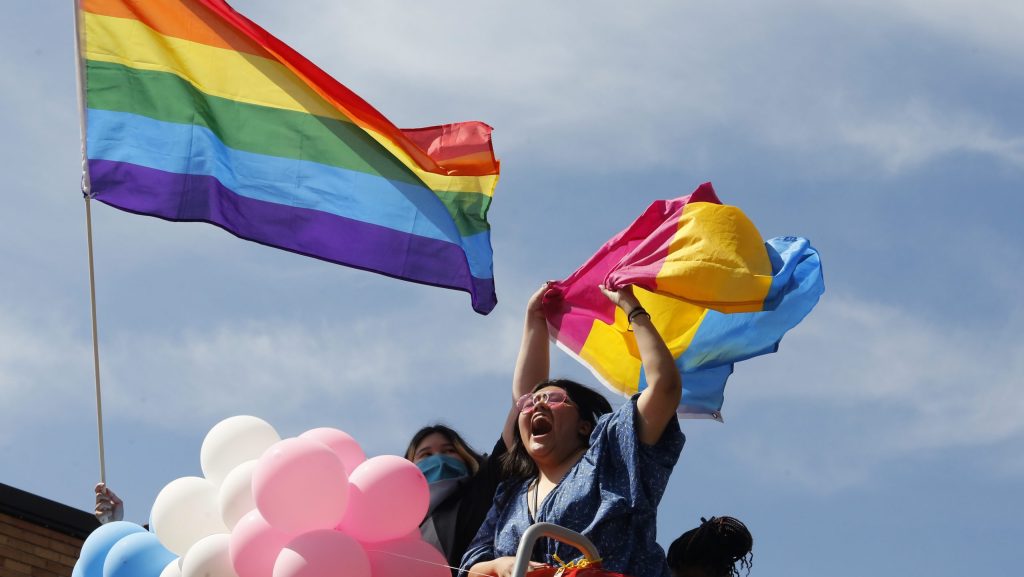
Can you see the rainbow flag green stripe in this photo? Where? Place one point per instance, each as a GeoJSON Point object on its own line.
{"type": "Point", "coordinates": [239, 125]}
{"type": "Point", "coordinates": [264, 130]}
{"type": "Point", "coordinates": [191, 95]}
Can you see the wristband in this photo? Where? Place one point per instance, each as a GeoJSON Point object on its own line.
{"type": "Point", "coordinates": [635, 313]}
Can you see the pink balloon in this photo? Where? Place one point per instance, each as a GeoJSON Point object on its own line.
{"type": "Point", "coordinates": [322, 554]}
{"type": "Point", "coordinates": [414, 534]}
{"type": "Point", "coordinates": [388, 498]}
{"type": "Point", "coordinates": [408, 558]}
{"type": "Point", "coordinates": [300, 485]}
{"type": "Point", "coordinates": [343, 445]}
{"type": "Point", "coordinates": [255, 545]}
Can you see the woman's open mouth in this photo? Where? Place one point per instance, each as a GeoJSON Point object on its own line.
{"type": "Point", "coordinates": [540, 425]}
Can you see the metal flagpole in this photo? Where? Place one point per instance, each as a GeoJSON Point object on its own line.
{"type": "Point", "coordinates": [87, 193]}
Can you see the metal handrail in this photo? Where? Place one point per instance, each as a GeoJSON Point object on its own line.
{"type": "Point", "coordinates": [538, 530]}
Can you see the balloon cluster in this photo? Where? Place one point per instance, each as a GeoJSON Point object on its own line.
{"type": "Point", "coordinates": [308, 506]}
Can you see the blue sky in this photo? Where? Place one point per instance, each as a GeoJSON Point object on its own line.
{"type": "Point", "coordinates": [887, 435]}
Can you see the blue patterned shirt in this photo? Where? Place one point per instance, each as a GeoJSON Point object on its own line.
{"type": "Point", "coordinates": [611, 495]}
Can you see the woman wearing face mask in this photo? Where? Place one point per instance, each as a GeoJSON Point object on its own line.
{"type": "Point", "coordinates": [463, 483]}
{"type": "Point", "coordinates": [576, 463]}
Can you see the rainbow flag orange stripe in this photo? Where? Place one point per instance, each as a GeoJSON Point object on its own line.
{"type": "Point", "coordinates": [717, 293]}
{"type": "Point", "coordinates": [195, 113]}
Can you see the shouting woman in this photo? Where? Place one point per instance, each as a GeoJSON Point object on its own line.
{"type": "Point", "coordinates": [576, 463]}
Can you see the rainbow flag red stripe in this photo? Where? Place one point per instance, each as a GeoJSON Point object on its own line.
{"type": "Point", "coordinates": [195, 113]}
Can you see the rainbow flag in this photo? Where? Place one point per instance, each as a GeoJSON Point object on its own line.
{"type": "Point", "coordinates": [194, 113]}
{"type": "Point", "coordinates": [716, 291]}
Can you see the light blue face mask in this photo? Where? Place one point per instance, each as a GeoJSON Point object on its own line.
{"type": "Point", "coordinates": [440, 467]}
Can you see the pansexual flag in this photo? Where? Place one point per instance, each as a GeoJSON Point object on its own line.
{"type": "Point", "coordinates": [716, 291]}
{"type": "Point", "coordinates": [194, 113]}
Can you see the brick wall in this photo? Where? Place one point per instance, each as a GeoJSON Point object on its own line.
{"type": "Point", "coordinates": [39, 537]}
{"type": "Point", "coordinates": [29, 550]}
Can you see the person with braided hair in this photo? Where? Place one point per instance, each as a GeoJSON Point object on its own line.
{"type": "Point", "coordinates": [712, 550]}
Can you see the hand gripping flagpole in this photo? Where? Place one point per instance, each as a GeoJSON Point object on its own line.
{"type": "Point", "coordinates": [87, 193]}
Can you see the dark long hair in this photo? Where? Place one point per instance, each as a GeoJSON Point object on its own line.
{"type": "Point", "coordinates": [516, 463]}
{"type": "Point", "coordinates": [471, 457]}
{"type": "Point", "coordinates": [714, 548]}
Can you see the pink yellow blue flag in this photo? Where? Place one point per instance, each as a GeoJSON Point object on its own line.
{"type": "Point", "coordinates": [717, 292]}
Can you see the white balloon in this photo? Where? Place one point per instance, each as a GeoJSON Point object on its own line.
{"type": "Point", "coordinates": [173, 569]}
{"type": "Point", "coordinates": [185, 511]}
{"type": "Point", "coordinates": [236, 494]}
{"type": "Point", "coordinates": [232, 442]}
{"type": "Point", "coordinates": [209, 558]}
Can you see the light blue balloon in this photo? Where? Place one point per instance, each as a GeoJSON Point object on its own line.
{"type": "Point", "coordinates": [98, 544]}
{"type": "Point", "coordinates": [137, 555]}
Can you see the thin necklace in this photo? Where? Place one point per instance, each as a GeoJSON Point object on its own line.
{"type": "Point", "coordinates": [536, 496]}
{"type": "Point", "coordinates": [536, 487]}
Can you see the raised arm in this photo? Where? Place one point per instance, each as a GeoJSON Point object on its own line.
{"type": "Point", "coordinates": [534, 359]}
{"type": "Point", "coordinates": [658, 402]}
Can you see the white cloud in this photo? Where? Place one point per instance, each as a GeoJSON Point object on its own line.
{"type": "Point", "coordinates": [280, 368]}
{"type": "Point", "coordinates": [991, 24]}
{"type": "Point", "coordinates": [44, 370]}
{"type": "Point", "coordinates": [655, 83]}
{"type": "Point", "coordinates": [786, 458]}
{"type": "Point", "coordinates": [537, 71]}
{"type": "Point", "coordinates": [874, 383]}
{"type": "Point", "coordinates": [917, 133]}
{"type": "Point", "coordinates": [633, 86]}
{"type": "Point", "coordinates": [382, 368]}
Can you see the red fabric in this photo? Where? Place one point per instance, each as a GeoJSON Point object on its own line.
{"type": "Point", "coordinates": [618, 263]}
